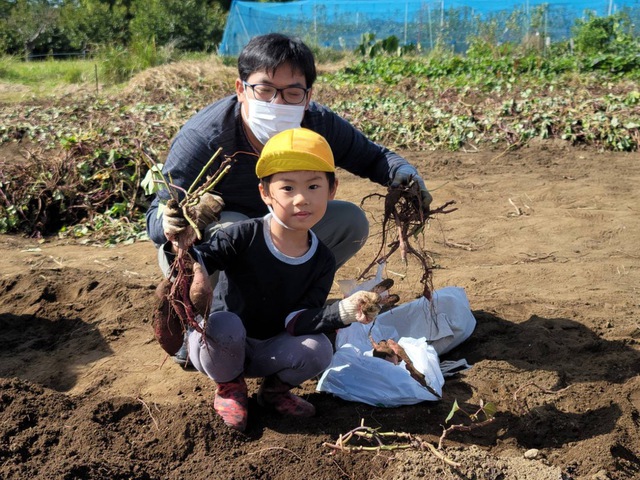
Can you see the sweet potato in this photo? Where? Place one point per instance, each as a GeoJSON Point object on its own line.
{"type": "Point", "coordinates": [200, 291]}
{"type": "Point", "coordinates": [393, 352]}
{"type": "Point", "coordinates": [167, 327]}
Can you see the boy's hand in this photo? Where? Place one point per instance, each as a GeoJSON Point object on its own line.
{"type": "Point", "coordinates": [208, 210]}
{"type": "Point", "coordinates": [362, 307]}
{"type": "Point", "coordinates": [175, 225]}
{"type": "Point", "coordinates": [404, 175]}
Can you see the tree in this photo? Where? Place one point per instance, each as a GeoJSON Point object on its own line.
{"type": "Point", "coordinates": [30, 24]}
{"type": "Point", "coordinates": [43, 26]}
{"type": "Point", "coordinates": [95, 22]}
{"type": "Point", "coordinates": [195, 25]}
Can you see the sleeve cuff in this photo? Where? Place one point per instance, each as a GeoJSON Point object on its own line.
{"type": "Point", "coordinates": [348, 312]}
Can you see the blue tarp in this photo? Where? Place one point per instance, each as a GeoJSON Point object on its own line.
{"type": "Point", "coordinates": [339, 24]}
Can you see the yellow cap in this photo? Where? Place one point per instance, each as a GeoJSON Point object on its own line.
{"type": "Point", "coordinates": [295, 149]}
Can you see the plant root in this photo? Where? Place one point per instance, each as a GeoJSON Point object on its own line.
{"type": "Point", "coordinates": [404, 219]}
{"type": "Point", "coordinates": [185, 298]}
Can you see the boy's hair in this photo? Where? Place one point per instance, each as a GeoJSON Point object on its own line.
{"type": "Point", "coordinates": [331, 178]}
{"type": "Point", "coordinates": [271, 51]}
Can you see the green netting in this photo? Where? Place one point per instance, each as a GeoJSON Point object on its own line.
{"type": "Point", "coordinates": [340, 24]}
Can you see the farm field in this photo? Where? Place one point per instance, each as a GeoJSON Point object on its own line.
{"type": "Point", "coordinates": [544, 242]}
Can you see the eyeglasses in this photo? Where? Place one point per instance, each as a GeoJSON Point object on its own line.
{"type": "Point", "coordinates": [268, 93]}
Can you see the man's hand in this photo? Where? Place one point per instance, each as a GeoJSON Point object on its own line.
{"type": "Point", "coordinates": [404, 175]}
{"type": "Point", "coordinates": [360, 307]}
{"type": "Point", "coordinates": [208, 210]}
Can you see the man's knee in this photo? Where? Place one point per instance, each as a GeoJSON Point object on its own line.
{"type": "Point", "coordinates": [344, 229]}
{"type": "Point", "coordinates": [351, 218]}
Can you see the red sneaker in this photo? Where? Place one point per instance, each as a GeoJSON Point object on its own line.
{"type": "Point", "coordinates": [231, 403]}
{"type": "Point", "coordinates": [276, 394]}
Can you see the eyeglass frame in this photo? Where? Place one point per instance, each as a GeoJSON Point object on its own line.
{"type": "Point", "coordinates": [278, 91]}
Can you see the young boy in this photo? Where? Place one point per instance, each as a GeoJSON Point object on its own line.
{"type": "Point", "coordinates": [268, 313]}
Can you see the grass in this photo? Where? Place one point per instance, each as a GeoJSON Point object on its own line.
{"type": "Point", "coordinates": [46, 73]}
{"type": "Point", "coordinates": [21, 80]}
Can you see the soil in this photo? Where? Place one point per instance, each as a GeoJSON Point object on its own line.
{"type": "Point", "coordinates": [544, 244]}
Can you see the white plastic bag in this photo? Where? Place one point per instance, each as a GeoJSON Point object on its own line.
{"type": "Point", "coordinates": [355, 374]}
{"type": "Point", "coordinates": [445, 322]}
{"type": "Point", "coordinates": [422, 328]}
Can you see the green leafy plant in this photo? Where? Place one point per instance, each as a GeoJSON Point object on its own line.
{"type": "Point", "coordinates": [369, 47]}
{"type": "Point", "coordinates": [482, 416]}
{"type": "Point", "coordinates": [152, 181]}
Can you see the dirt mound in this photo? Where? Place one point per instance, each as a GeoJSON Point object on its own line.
{"type": "Point", "coordinates": [543, 242]}
{"type": "Point", "coordinates": [169, 80]}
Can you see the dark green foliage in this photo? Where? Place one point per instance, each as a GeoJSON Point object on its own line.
{"type": "Point", "coordinates": [194, 25]}
{"type": "Point", "coordinates": [595, 34]}
{"type": "Point", "coordinates": [608, 44]}
{"type": "Point", "coordinates": [42, 27]}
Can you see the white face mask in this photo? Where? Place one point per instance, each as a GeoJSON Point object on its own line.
{"type": "Point", "coordinates": [266, 119]}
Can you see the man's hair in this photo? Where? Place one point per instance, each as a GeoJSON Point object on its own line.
{"type": "Point", "coordinates": [271, 51]}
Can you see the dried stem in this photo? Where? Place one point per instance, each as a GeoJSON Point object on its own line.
{"type": "Point", "coordinates": [462, 428]}
{"type": "Point", "coordinates": [155, 422]}
{"type": "Point", "coordinates": [533, 384]}
{"type": "Point", "coordinates": [401, 441]}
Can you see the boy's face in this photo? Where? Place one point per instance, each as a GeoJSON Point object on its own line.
{"type": "Point", "coordinates": [299, 198]}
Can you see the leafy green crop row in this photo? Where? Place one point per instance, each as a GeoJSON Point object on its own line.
{"type": "Point", "coordinates": [436, 119]}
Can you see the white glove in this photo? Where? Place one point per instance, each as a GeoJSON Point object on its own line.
{"type": "Point", "coordinates": [404, 175]}
{"type": "Point", "coordinates": [173, 221]}
{"type": "Point", "coordinates": [361, 307]}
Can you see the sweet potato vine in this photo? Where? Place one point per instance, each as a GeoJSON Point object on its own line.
{"type": "Point", "coordinates": [186, 294]}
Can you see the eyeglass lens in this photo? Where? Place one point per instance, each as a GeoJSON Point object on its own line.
{"type": "Point", "coordinates": [267, 93]}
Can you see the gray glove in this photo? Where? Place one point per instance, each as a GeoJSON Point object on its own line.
{"type": "Point", "coordinates": [404, 175]}
{"type": "Point", "coordinates": [360, 307]}
{"type": "Point", "coordinates": [208, 210]}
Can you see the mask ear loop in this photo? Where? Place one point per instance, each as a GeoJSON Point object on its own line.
{"type": "Point", "coordinates": [275, 217]}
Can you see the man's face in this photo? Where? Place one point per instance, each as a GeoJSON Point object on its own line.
{"type": "Point", "coordinates": [283, 77]}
